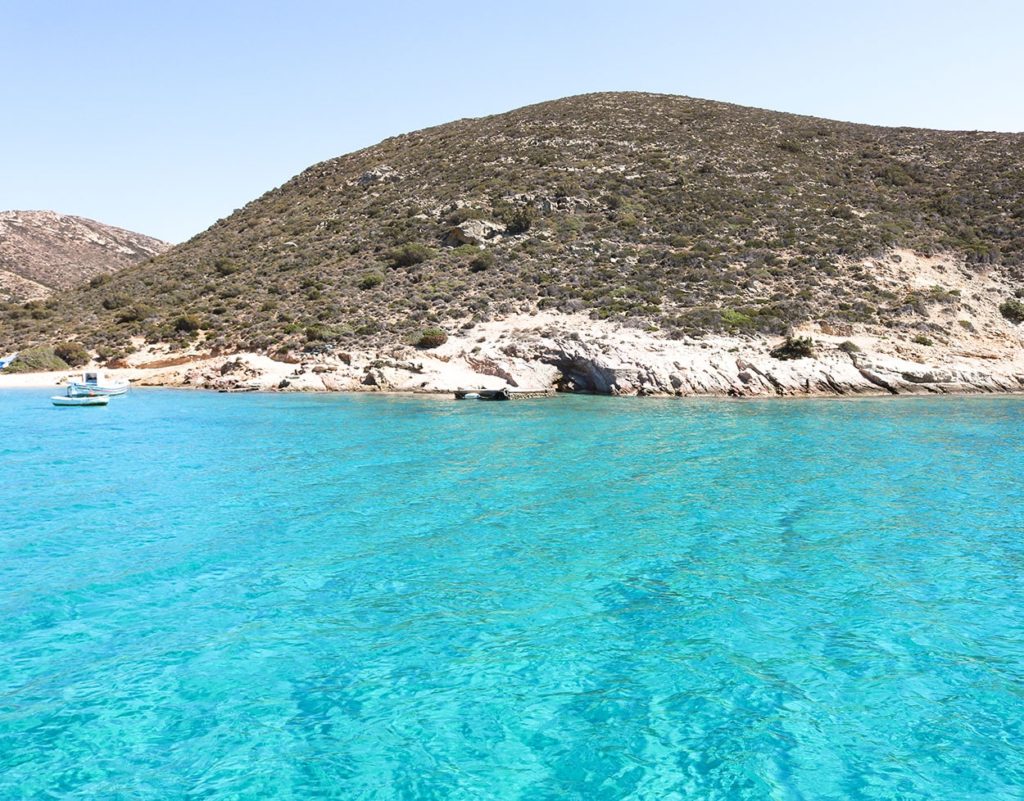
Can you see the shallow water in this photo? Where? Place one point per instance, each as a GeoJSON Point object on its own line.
{"type": "Point", "coordinates": [301, 597]}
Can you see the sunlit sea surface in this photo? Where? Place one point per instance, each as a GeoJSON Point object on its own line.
{"type": "Point", "coordinates": [309, 597]}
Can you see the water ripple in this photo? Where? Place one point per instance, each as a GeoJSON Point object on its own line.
{"type": "Point", "coordinates": [297, 597]}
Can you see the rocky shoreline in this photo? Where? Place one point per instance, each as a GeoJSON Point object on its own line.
{"type": "Point", "coordinates": [576, 354]}
{"type": "Point", "coordinates": [953, 338]}
{"type": "Point", "coordinates": [574, 366]}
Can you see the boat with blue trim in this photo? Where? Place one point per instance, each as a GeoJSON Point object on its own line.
{"type": "Point", "coordinates": [96, 383]}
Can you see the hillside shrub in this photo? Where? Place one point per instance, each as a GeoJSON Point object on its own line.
{"type": "Point", "coordinates": [34, 360]}
{"type": "Point", "coordinates": [1012, 310]}
{"type": "Point", "coordinates": [112, 302]}
{"type": "Point", "coordinates": [736, 319]}
{"type": "Point", "coordinates": [794, 348]}
{"type": "Point", "coordinates": [134, 314]}
{"type": "Point", "coordinates": [74, 353]}
{"type": "Point", "coordinates": [431, 338]}
{"type": "Point", "coordinates": [849, 347]}
{"type": "Point", "coordinates": [370, 280]}
{"type": "Point", "coordinates": [107, 353]}
{"type": "Point", "coordinates": [408, 255]}
{"type": "Point", "coordinates": [464, 213]}
{"type": "Point", "coordinates": [519, 220]}
{"type": "Point", "coordinates": [187, 323]}
{"type": "Point", "coordinates": [481, 261]}
{"type": "Point", "coordinates": [318, 333]}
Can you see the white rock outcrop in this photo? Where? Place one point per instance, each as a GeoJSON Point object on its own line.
{"type": "Point", "coordinates": [474, 232]}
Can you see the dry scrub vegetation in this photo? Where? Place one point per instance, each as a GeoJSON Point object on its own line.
{"type": "Point", "coordinates": [672, 214]}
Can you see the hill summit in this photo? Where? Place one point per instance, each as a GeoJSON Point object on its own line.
{"type": "Point", "coordinates": [43, 251]}
{"type": "Point", "coordinates": [677, 217]}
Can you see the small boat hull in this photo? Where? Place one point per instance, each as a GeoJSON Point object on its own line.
{"type": "Point", "coordinates": [482, 394]}
{"type": "Point", "coordinates": [77, 388]}
{"type": "Point", "coordinates": [503, 394]}
{"type": "Point", "coordinates": [80, 400]}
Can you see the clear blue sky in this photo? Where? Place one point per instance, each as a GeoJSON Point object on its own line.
{"type": "Point", "coordinates": [162, 117]}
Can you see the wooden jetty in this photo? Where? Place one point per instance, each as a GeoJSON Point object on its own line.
{"type": "Point", "coordinates": [503, 394]}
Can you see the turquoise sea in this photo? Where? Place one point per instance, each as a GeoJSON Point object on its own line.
{"type": "Point", "coordinates": [305, 597]}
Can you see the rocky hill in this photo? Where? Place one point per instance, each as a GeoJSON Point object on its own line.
{"type": "Point", "coordinates": [678, 218]}
{"type": "Point", "coordinates": [42, 251]}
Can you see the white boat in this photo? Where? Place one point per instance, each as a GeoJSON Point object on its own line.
{"type": "Point", "coordinates": [97, 383]}
{"type": "Point", "coordinates": [80, 400]}
{"type": "Point", "coordinates": [6, 361]}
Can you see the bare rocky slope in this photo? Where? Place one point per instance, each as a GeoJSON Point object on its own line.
{"type": "Point", "coordinates": [619, 242]}
{"type": "Point", "coordinates": [42, 251]}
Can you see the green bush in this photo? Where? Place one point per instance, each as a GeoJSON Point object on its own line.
{"type": "Point", "coordinates": [736, 319]}
{"type": "Point", "coordinates": [113, 302]}
{"type": "Point", "coordinates": [134, 314]}
{"type": "Point", "coordinates": [106, 353]}
{"type": "Point", "coordinates": [370, 280]}
{"type": "Point", "coordinates": [187, 323]}
{"type": "Point", "coordinates": [431, 338]}
{"type": "Point", "coordinates": [225, 267]}
{"type": "Point", "coordinates": [519, 220]}
{"type": "Point", "coordinates": [408, 255]}
{"type": "Point", "coordinates": [74, 353]}
{"type": "Point", "coordinates": [849, 347]}
{"type": "Point", "coordinates": [318, 333]}
{"type": "Point", "coordinates": [34, 360]}
{"type": "Point", "coordinates": [1012, 310]}
{"type": "Point", "coordinates": [481, 261]}
{"type": "Point", "coordinates": [794, 348]}
{"type": "Point", "coordinates": [464, 213]}
{"type": "Point", "coordinates": [921, 339]}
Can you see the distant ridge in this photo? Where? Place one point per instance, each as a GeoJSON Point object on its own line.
{"type": "Point", "coordinates": [42, 251]}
